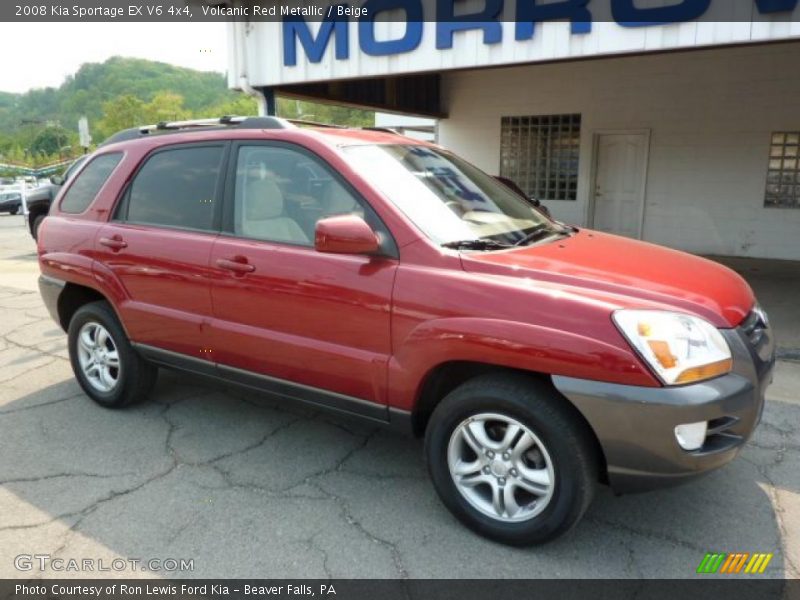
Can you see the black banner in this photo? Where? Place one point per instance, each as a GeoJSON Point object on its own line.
{"type": "Point", "coordinates": [731, 588]}
{"type": "Point", "coordinates": [581, 13]}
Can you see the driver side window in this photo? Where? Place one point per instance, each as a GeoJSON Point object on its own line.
{"type": "Point", "coordinates": [280, 194]}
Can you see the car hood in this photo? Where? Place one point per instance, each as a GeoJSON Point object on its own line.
{"type": "Point", "coordinates": [639, 274]}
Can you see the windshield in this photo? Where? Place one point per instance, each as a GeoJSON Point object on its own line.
{"type": "Point", "coordinates": [446, 197]}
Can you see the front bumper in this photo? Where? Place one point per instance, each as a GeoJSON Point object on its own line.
{"type": "Point", "coordinates": [635, 425]}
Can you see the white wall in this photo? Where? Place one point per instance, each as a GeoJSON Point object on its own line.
{"type": "Point", "coordinates": [710, 113]}
{"type": "Point", "coordinates": [259, 45]}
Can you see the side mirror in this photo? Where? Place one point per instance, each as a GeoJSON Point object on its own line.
{"type": "Point", "coordinates": [345, 234]}
{"type": "Point", "coordinates": [57, 180]}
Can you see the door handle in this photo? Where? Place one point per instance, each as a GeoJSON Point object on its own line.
{"type": "Point", "coordinates": [236, 264]}
{"type": "Point", "coordinates": [115, 242]}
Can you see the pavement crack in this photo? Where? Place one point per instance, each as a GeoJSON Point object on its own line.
{"type": "Point", "coordinates": [41, 405]}
{"type": "Point", "coordinates": [113, 495]}
{"type": "Point", "coordinates": [347, 515]}
{"type": "Point", "coordinates": [63, 476]}
{"type": "Point", "coordinates": [350, 519]}
{"type": "Point", "coordinates": [263, 440]}
{"type": "Point", "coordinates": [649, 534]}
{"type": "Point", "coordinates": [311, 543]}
{"type": "Point", "coordinates": [31, 370]}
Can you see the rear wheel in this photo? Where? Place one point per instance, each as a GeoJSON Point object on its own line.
{"type": "Point", "coordinates": [14, 210]}
{"type": "Point", "coordinates": [511, 460]}
{"type": "Point", "coordinates": [105, 364]}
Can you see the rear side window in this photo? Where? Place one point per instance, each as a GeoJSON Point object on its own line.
{"type": "Point", "coordinates": [177, 188]}
{"type": "Point", "coordinates": [81, 193]}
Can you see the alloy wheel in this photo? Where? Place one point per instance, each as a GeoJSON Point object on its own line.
{"type": "Point", "coordinates": [98, 357]}
{"type": "Point", "coordinates": [501, 467]}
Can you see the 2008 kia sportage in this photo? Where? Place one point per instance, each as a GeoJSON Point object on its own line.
{"type": "Point", "coordinates": [383, 277]}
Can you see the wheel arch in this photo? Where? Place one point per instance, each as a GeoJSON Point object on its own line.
{"type": "Point", "coordinates": [75, 295]}
{"type": "Point", "coordinates": [447, 376]}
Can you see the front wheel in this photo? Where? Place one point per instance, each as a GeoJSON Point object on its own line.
{"type": "Point", "coordinates": [14, 210]}
{"type": "Point", "coordinates": [105, 364]}
{"type": "Point", "coordinates": [511, 460]}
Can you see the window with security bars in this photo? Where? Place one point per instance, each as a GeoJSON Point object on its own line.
{"type": "Point", "coordinates": [540, 154]}
{"type": "Point", "coordinates": [783, 176]}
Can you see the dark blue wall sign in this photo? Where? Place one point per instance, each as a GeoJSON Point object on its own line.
{"type": "Point", "coordinates": [530, 13]}
{"type": "Point", "coordinates": [411, 39]}
{"type": "Point", "coordinates": [295, 29]}
{"type": "Point", "coordinates": [448, 23]}
{"type": "Point", "coordinates": [627, 15]}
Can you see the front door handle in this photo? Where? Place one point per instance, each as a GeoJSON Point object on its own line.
{"type": "Point", "coordinates": [114, 242]}
{"type": "Point", "coordinates": [237, 264]}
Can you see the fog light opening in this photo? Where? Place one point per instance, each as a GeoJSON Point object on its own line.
{"type": "Point", "coordinates": [691, 436]}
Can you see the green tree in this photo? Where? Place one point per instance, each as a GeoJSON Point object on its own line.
{"type": "Point", "coordinates": [165, 106]}
{"type": "Point", "coordinates": [120, 113]}
{"type": "Point", "coordinates": [16, 155]}
{"type": "Point", "coordinates": [241, 105]}
{"type": "Point", "coordinates": [325, 113]}
{"type": "Point", "coordinates": [50, 140]}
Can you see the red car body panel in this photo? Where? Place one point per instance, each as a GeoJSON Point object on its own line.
{"type": "Point", "coordinates": [167, 282]}
{"type": "Point", "coordinates": [319, 319]}
{"type": "Point", "coordinates": [630, 268]}
{"type": "Point", "coordinates": [373, 328]}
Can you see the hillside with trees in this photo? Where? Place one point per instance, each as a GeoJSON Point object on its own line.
{"type": "Point", "coordinates": [41, 125]}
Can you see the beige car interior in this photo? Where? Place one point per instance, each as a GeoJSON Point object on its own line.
{"type": "Point", "coordinates": [274, 198]}
{"type": "Point", "coordinates": [264, 216]}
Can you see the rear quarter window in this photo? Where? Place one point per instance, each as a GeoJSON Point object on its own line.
{"type": "Point", "coordinates": [88, 183]}
{"type": "Point", "coordinates": [177, 188]}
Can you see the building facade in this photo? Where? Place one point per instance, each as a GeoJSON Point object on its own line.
{"type": "Point", "coordinates": [684, 134]}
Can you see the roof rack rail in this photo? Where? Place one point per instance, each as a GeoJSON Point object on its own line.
{"type": "Point", "coordinates": [307, 123]}
{"type": "Point", "coordinates": [199, 124]}
{"type": "Point", "coordinates": [383, 129]}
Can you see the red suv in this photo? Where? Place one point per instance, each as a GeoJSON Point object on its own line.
{"type": "Point", "coordinates": [384, 277]}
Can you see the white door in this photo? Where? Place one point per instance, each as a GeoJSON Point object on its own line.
{"type": "Point", "coordinates": [619, 182]}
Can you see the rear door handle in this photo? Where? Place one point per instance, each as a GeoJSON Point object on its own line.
{"type": "Point", "coordinates": [115, 243]}
{"type": "Point", "coordinates": [237, 265]}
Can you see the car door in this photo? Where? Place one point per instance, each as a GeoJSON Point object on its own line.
{"type": "Point", "coordinates": [285, 314]}
{"type": "Point", "coordinates": [157, 247]}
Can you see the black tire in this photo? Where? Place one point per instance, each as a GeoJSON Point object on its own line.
{"type": "Point", "coordinates": [37, 223]}
{"type": "Point", "coordinates": [14, 210]}
{"type": "Point", "coordinates": [135, 377]}
{"type": "Point", "coordinates": [567, 439]}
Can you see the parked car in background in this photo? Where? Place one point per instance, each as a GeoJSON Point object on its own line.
{"type": "Point", "coordinates": [10, 202]}
{"type": "Point", "coordinates": [39, 200]}
{"type": "Point", "coordinates": [386, 278]}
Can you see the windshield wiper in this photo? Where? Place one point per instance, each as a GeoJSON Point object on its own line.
{"type": "Point", "coordinates": [477, 244]}
{"type": "Point", "coordinates": [538, 233]}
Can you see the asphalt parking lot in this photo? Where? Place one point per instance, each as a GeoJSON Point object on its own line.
{"type": "Point", "coordinates": [247, 487]}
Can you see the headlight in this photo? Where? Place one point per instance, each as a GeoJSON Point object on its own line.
{"type": "Point", "coordinates": [680, 348]}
